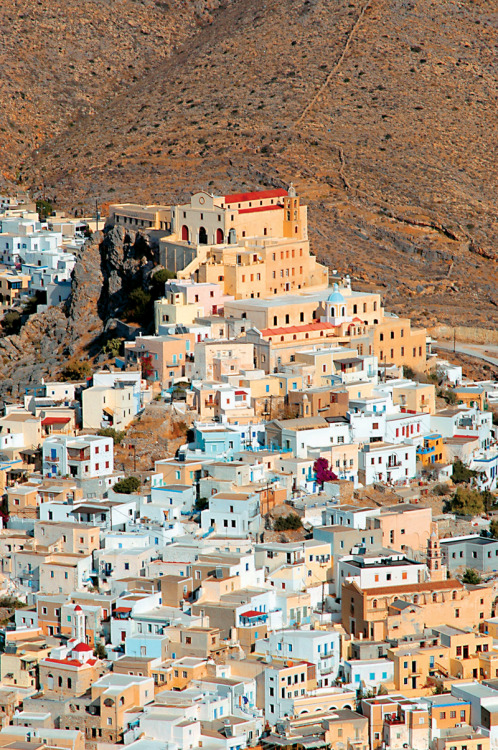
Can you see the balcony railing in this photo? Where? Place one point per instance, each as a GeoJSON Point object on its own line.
{"type": "Point", "coordinates": [394, 720]}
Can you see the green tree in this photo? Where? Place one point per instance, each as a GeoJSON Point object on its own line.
{"type": "Point", "coordinates": [290, 522]}
{"type": "Point", "coordinates": [159, 278]}
{"type": "Point", "coordinates": [461, 474]}
{"type": "Point", "coordinates": [44, 209]}
{"type": "Point", "coordinates": [467, 502]}
{"type": "Point", "coordinates": [117, 435]}
{"type": "Point", "coordinates": [76, 369]}
{"type": "Point", "coordinates": [139, 308]}
{"type": "Point", "coordinates": [493, 528]}
{"type": "Point", "coordinates": [489, 500]}
{"type": "Point", "coordinates": [201, 503]}
{"type": "Point", "coordinates": [112, 347]}
{"type": "Point", "coordinates": [127, 486]}
{"type": "Point", "coordinates": [471, 576]}
{"type": "Point", "coordinates": [10, 602]}
{"type": "Point", "coordinates": [11, 323]}
{"type": "Point", "coordinates": [449, 396]}
{"type": "Point", "coordinates": [100, 651]}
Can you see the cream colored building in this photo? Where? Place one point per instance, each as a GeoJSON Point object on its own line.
{"type": "Point", "coordinates": [135, 216]}
{"type": "Point", "coordinates": [254, 244]}
{"type": "Point", "coordinates": [23, 422]}
{"type": "Point", "coordinates": [114, 405]}
{"type": "Point", "coordinates": [278, 326]}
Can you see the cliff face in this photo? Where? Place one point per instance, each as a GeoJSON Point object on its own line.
{"type": "Point", "coordinates": [380, 112]}
{"type": "Point", "coordinates": [107, 266]}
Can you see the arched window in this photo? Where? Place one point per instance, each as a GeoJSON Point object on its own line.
{"type": "Point", "coordinates": [415, 599]}
{"type": "Point", "coordinates": [50, 681]}
{"type": "Point", "coordinates": [374, 604]}
{"type": "Point", "coordinates": [185, 233]}
{"type": "Point", "coordinates": [453, 595]}
{"type": "Point", "coordinates": [219, 236]}
{"type": "Point", "coordinates": [60, 681]}
{"type": "Point", "coordinates": [203, 238]}
{"type": "Point", "coordinates": [434, 597]}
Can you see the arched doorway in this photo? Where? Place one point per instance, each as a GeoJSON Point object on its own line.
{"type": "Point", "coordinates": [185, 233]}
{"type": "Point", "coordinates": [219, 236]}
{"type": "Point", "coordinates": [203, 238]}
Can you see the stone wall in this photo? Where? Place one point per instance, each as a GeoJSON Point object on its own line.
{"type": "Point", "coordinates": [467, 334]}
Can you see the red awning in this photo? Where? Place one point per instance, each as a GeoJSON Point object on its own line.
{"type": "Point", "coordinates": [55, 420]}
{"type": "Point", "coordinates": [252, 613]}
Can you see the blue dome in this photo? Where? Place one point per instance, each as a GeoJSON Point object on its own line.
{"type": "Point", "coordinates": [336, 296]}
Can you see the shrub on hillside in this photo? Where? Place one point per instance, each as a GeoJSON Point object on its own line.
{"type": "Point", "coordinates": [127, 486]}
{"type": "Point", "coordinates": [76, 369]}
{"type": "Point", "coordinates": [288, 523]}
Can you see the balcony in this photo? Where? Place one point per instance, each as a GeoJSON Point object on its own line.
{"type": "Point", "coordinates": [83, 455]}
{"type": "Point", "coordinates": [393, 720]}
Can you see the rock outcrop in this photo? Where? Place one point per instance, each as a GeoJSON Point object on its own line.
{"type": "Point", "coordinates": [107, 267]}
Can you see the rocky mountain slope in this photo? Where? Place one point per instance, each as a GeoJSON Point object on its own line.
{"type": "Point", "coordinates": [382, 112]}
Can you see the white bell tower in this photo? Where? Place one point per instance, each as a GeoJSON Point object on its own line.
{"type": "Point", "coordinates": [79, 629]}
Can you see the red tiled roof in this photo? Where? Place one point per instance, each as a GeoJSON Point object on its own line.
{"type": "Point", "coordinates": [72, 662]}
{"type": "Point", "coordinates": [298, 329]}
{"type": "Point", "coordinates": [259, 208]}
{"type": "Point", "coordinates": [123, 609]}
{"type": "Point", "coordinates": [241, 393]}
{"type": "Point", "coordinates": [258, 195]}
{"type": "Point", "coordinates": [78, 608]}
{"type": "Point", "coordinates": [82, 647]}
{"type": "Point", "coordinates": [55, 420]}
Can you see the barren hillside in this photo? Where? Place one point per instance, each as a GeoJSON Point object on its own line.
{"type": "Point", "coordinates": [383, 114]}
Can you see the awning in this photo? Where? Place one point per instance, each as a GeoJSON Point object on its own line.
{"type": "Point", "coordinates": [108, 410]}
{"type": "Point", "coordinates": [48, 421]}
{"type": "Point", "coordinates": [253, 613]}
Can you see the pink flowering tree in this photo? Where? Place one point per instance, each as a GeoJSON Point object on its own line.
{"type": "Point", "coordinates": [323, 472]}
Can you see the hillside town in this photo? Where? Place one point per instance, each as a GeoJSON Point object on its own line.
{"type": "Point", "coordinates": [265, 515]}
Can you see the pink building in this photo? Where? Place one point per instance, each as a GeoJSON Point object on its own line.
{"type": "Point", "coordinates": [208, 296]}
